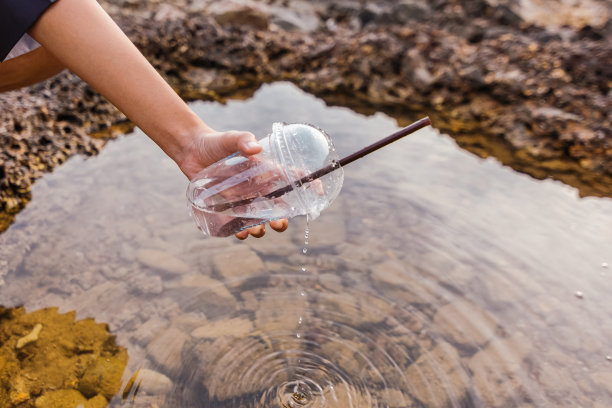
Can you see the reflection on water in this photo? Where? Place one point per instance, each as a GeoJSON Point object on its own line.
{"type": "Point", "coordinates": [436, 279]}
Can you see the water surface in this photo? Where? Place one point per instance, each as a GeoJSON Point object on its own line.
{"type": "Point", "coordinates": [437, 279]}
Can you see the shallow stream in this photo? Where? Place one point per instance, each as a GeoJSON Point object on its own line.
{"type": "Point", "coordinates": [436, 279]}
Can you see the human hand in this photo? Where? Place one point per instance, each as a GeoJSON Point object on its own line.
{"type": "Point", "coordinates": [91, 46]}
{"type": "Point", "coordinates": [207, 147]}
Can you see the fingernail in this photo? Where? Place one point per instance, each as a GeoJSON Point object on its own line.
{"type": "Point", "coordinates": [252, 145]}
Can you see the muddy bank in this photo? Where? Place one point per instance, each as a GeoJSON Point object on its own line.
{"type": "Point", "coordinates": [537, 98]}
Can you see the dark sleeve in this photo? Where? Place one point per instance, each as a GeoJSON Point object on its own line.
{"type": "Point", "coordinates": [16, 17]}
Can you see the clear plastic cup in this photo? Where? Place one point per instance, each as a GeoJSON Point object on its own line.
{"type": "Point", "coordinates": [239, 192]}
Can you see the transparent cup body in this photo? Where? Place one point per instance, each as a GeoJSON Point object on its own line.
{"type": "Point", "coordinates": [239, 192]}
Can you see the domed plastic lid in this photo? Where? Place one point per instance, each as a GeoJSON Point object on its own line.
{"type": "Point", "coordinates": [304, 149]}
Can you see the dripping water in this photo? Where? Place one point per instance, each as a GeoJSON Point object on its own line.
{"type": "Point", "coordinates": [297, 392]}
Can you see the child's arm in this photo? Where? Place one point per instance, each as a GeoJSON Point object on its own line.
{"type": "Point", "coordinates": [28, 69]}
{"type": "Point", "coordinates": [85, 39]}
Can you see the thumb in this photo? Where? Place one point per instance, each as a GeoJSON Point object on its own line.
{"type": "Point", "coordinates": [244, 142]}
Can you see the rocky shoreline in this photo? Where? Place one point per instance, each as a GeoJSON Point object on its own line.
{"type": "Point", "coordinates": [535, 97]}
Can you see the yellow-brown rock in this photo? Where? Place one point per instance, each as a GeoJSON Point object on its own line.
{"type": "Point", "coordinates": [59, 356]}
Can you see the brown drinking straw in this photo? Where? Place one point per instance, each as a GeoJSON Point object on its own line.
{"type": "Point", "coordinates": [328, 169]}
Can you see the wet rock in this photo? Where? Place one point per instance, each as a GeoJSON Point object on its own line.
{"type": "Point", "coordinates": [275, 245]}
{"type": "Point", "coordinates": [68, 398]}
{"type": "Point", "coordinates": [392, 272]}
{"type": "Point", "coordinates": [204, 83]}
{"type": "Point", "coordinates": [497, 371]}
{"type": "Point", "coordinates": [219, 381]}
{"type": "Point", "coordinates": [162, 261]}
{"type": "Point", "coordinates": [395, 398]}
{"type": "Point", "coordinates": [230, 327]}
{"type": "Point", "coordinates": [374, 13]}
{"type": "Point", "coordinates": [342, 395]}
{"type": "Point", "coordinates": [127, 253]}
{"type": "Point", "coordinates": [154, 383]}
{"type": "Point", "coordinates": [59, 362]}
{"type": "Point", "coordinates": [373, 310]}
{"type": "Point", "coordinates": [422, 79]}
{"type": "Point", "coordinates": [301, 16]}
{"type": "Point", "coordinates": [345, 353]}
{"type": "Point", "coordinates": [501, 289]}
{"type": "Point", "coordinates": [103, 376]}
{"type": "Point", "coordinates": [239, 13]}
{"type": "Point", "coordinates": [603, 380]}
{"type": "Point", "coordinates": [149, 330]}
{"type": "Point", "coordinates": [407, 10]}
{"type": "Point", "coordinates": [574, 14]}
{"type": "Point", "coordinates": [331, 282]}
{"type": "Point", "coordinates": [275, 314]}
{"type": "Point", "coordinates": [169, 12]}
{"type": "Point", "coordinates": [96, 402]}
{"type": "Point", "coordinates": [327, 231]}
{"type": "Point", "coordinates": [19, 391]}
{"type": "Point", "coordinates": [120, 305]}
{"type": "Point", "coordinates": [141, 283]}
{"type": "Point", "coordinates": [438, 379]}
{"type": "Point", "coordinates": [465, 324]}
{"type": "Point", "coordinates": [205, 284]}
{"type": "Point", "coordinates": [553, 379]}
{"type": "Point", "coordinates": [237, 261]}
{"type": "Point", "coordinates": [364, 252]}
{"type": "Point", "coordinates": [166, 348]}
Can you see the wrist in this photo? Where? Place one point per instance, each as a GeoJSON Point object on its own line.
{"type": "Point", "coordinates": [183, 139]}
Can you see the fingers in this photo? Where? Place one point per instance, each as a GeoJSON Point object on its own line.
{"type": "Point", "coordinates": [257, 231]}
{"type": "Point", "coordinates": [279, 225]}
{"type": "Point", "coordinates": [244, 142]}
{"type": "Point", "coordinates": [260, 230]}
{"type": "Point", "coordinates": [242, 235]}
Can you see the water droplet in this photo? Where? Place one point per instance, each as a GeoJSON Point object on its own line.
{"type": "Point", "coordinates": [304, 269]}
{"type": "Point", "coordinates": [604, 265]}
{"type": "Point", "coordinates": [579, 294]}
{"type": "Point", "coordinates": [609, 358]}
{"type": "Point", "coordinates": [300, 320]}
{"type": "Point", "coordinates": [302, 293]}
{"type": "Point", "coordinates": [306, 242]}
{"type": "Point", "coordinates": [298, 335]}
{"type": "Point", "coordinates": [304, 250]}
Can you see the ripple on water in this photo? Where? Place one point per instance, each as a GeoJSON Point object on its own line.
{"type": "Point", "coordinates": [427, 285]}
{"type": "Point", "coordinates": [354, 349]}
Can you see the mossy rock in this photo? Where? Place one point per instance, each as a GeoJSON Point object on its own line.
{"type": "Point", "coordinates": [47, 357]}
{"type": "Point", "coordinates": [103, 376]}
{"type": "Point", "coordinates": [69, 399]}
